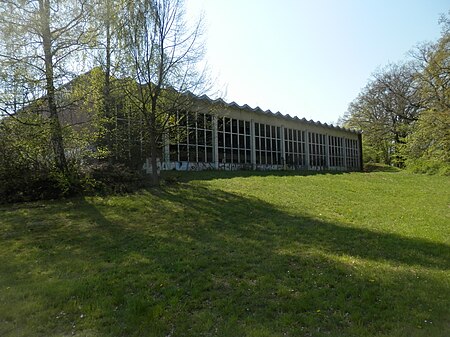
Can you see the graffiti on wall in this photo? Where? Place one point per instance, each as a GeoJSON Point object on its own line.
{"type": "Point", "coordinates": [192, 166]}
{"type": "Point", "coordinates": [186, 166]}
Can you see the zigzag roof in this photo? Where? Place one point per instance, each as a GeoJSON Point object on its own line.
{"type": "Point", "coordinates": [258, 110]}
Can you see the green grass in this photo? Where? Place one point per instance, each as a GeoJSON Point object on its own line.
{"type": "Point", "coordinates": [233, 254]}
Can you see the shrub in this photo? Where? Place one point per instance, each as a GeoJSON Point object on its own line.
{"type": "Point", "coordinates": [106, 178]}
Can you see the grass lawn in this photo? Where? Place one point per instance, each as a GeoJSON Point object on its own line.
{"type": "Point", "coordinates": [233, 254]}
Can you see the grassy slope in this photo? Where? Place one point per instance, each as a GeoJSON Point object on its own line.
{"type": "Point", "coordinates": [268, 255]}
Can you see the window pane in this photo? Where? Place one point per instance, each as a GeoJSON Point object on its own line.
{"type": "Point", "coordinates": [235, 141]}
{"type": "Point", "coordinates": [227, 124]}
{"type": "Point", "coordinates": [242, 156]}
{"type": "Point", "coordinates": [200, 137]}
{"type": "Point", "coordinates": [209, 138]}
{"type": "Point", "coordinates": [192, 153]}
{"type": "Point", "coordinates": [241, 141]}
{"type": "Point", "coordinates": [234, 124]}
{"type": "Point", "coordinates": [209, 154]}
{"type": "Point", "coordinates": [235, 156]}
{"type": "Point", "coordinates": [220, 124]}
{"type": "Point", "coordinates": [201, 121]}
{"type": "Point", "coordinates": [227, 140]}
{"type": "Point", "coordinates": [183, 153]}
{"type": "Point", "coordinates": [192, 139]}
{"type": "Point", "coordinates": [191, 119]}
{"type": "Point", "coordinates": [201, 154]}
{"type": "Point", "coordinates": [241, 127]}
{"type": "Point", "coordinates": [173, 152]}
{"type": "Point", "coordinates": [221, 155]}
{"type": "Point", "coordinates": [228, 155]}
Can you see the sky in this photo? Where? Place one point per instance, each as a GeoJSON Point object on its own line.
{"type": "Point", "coordinates": [308, 58]}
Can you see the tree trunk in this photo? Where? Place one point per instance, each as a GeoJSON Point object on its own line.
{"type": "Point", "coordinates": [107, 84]}
{"type": "Point", "coordinates": [153, 144]}
{"type": "Point", "coordinates": [56, 129]}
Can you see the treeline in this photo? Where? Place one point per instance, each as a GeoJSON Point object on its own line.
{"type": "Point", "coordinates": [404, 110]}
{"type": "Point", "coordinates": [88, 88]}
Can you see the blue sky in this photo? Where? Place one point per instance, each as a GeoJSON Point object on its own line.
{"type": "Point", "coordinates": [309, 58]}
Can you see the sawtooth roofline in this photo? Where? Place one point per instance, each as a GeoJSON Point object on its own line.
{"type": "Point", "coordinates": [258, 110]}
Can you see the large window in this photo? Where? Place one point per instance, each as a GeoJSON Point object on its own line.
{"type": "Point", "coordinates": [294, 147]}
{"type": "Point", "coordinates": [336, 151]}
{"type": "Point", "coordinates": [233, 140]}
{"type": "Point", "coordinates": [267, 144]}
{"type": "Point", "coordinates": [317, 151]}
{"type": "Point", "coordinates": [192, 139]}
{"type": "Point", "coordinates": [352, 154]}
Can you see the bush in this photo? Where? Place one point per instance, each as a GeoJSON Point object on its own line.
{"type": "Point", "coordinates": [24, 184]}
{"type": "Point", "coordinates": [107, 178]}
{"type": "Point", "coordinates": [428, 166]}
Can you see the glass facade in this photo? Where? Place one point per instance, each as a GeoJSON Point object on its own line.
{"type": "Point", "coordinates": [294, 147]}
{"type": "Point", "coordinates": [352, 154]}
{"type": "Point", "coordinates": [216, 140]}
{"type": "Point", "coordinates": [233, 140]}
{"type": "Point", "coordinates": [267, 144]}
{"type": "Point", "coordinates": [317, 151]}
{"type": "Point", "coordinates": [336, 152]}
{"type": "Point", "coordinates": [192, 140]}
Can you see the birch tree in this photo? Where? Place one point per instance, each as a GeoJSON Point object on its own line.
{"type": "Point", "coordinates": [40, 50]}
{"type": "Point", "coordinates": [163, 55]}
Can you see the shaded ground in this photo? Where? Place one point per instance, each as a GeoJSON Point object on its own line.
{"type": "Point", "coordinates": [198, 259]}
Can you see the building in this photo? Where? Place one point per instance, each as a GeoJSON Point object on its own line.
{"type": "Point", "coordinates": [228, 136]}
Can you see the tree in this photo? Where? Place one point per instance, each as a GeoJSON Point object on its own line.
{"type": "Point", "coordinates": [428, 146]}
{"type": "Point", "coordinates": [163, 55]}
{"type": "Point", "coordinates": [385, 110]}
{"type": "Point", "coordinates": [40, 45]}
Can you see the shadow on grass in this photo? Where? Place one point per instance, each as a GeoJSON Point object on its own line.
{"type": "Point", "coordinates": [186, 176]}
{"type": "Point", "coordinates": [191, 261]}
{"type": "Point", "coordinates": [375, 167]}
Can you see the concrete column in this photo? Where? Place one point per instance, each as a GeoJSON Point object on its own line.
{"type": "Point", "coordinates": [327, 152]}
{"type": "Point", "coordinates": [360, 152]}
{"type": "Point", "coordinates": [283, 150]}
{"type": "Point", "coordinates": [166, 148]}
{"type": "Point", "coordinates": [252, 144]}
{"type": "Point", "coordinates": [215, 141]}
{"type": "Point", "coordinates": [308, 167]}
{"type": "Point", "coordinates": [344, 148]}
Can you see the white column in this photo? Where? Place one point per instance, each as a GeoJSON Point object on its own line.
{"type": "Point", "coordinates": [283, 150]}
{"type": "Point", "coordinates": [344, 148]}
{"type": "Point", "coordinates": [308, 167]}
{"type": "Point", "coordinates": [215, 142]}
{"type": "Point", "coordinates": [252, 143]}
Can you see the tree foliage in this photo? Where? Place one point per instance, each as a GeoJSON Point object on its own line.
{"type": "Point", "coordinates": [404, 111]}
{"type": "Point", "coordinates": [39, 42]}
{"type": "Point", "coordinates": [385, 111]}
{"type": "Point", "coordinates": [162, 53]}
{"type": "Point", "coordinates": [428, 147]}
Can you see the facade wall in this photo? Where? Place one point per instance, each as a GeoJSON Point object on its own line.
{"type": "Point", "coordinates": [231, 137]}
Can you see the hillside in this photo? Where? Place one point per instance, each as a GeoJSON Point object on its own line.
{"type": "Point", "coordinates": [233, 254]}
